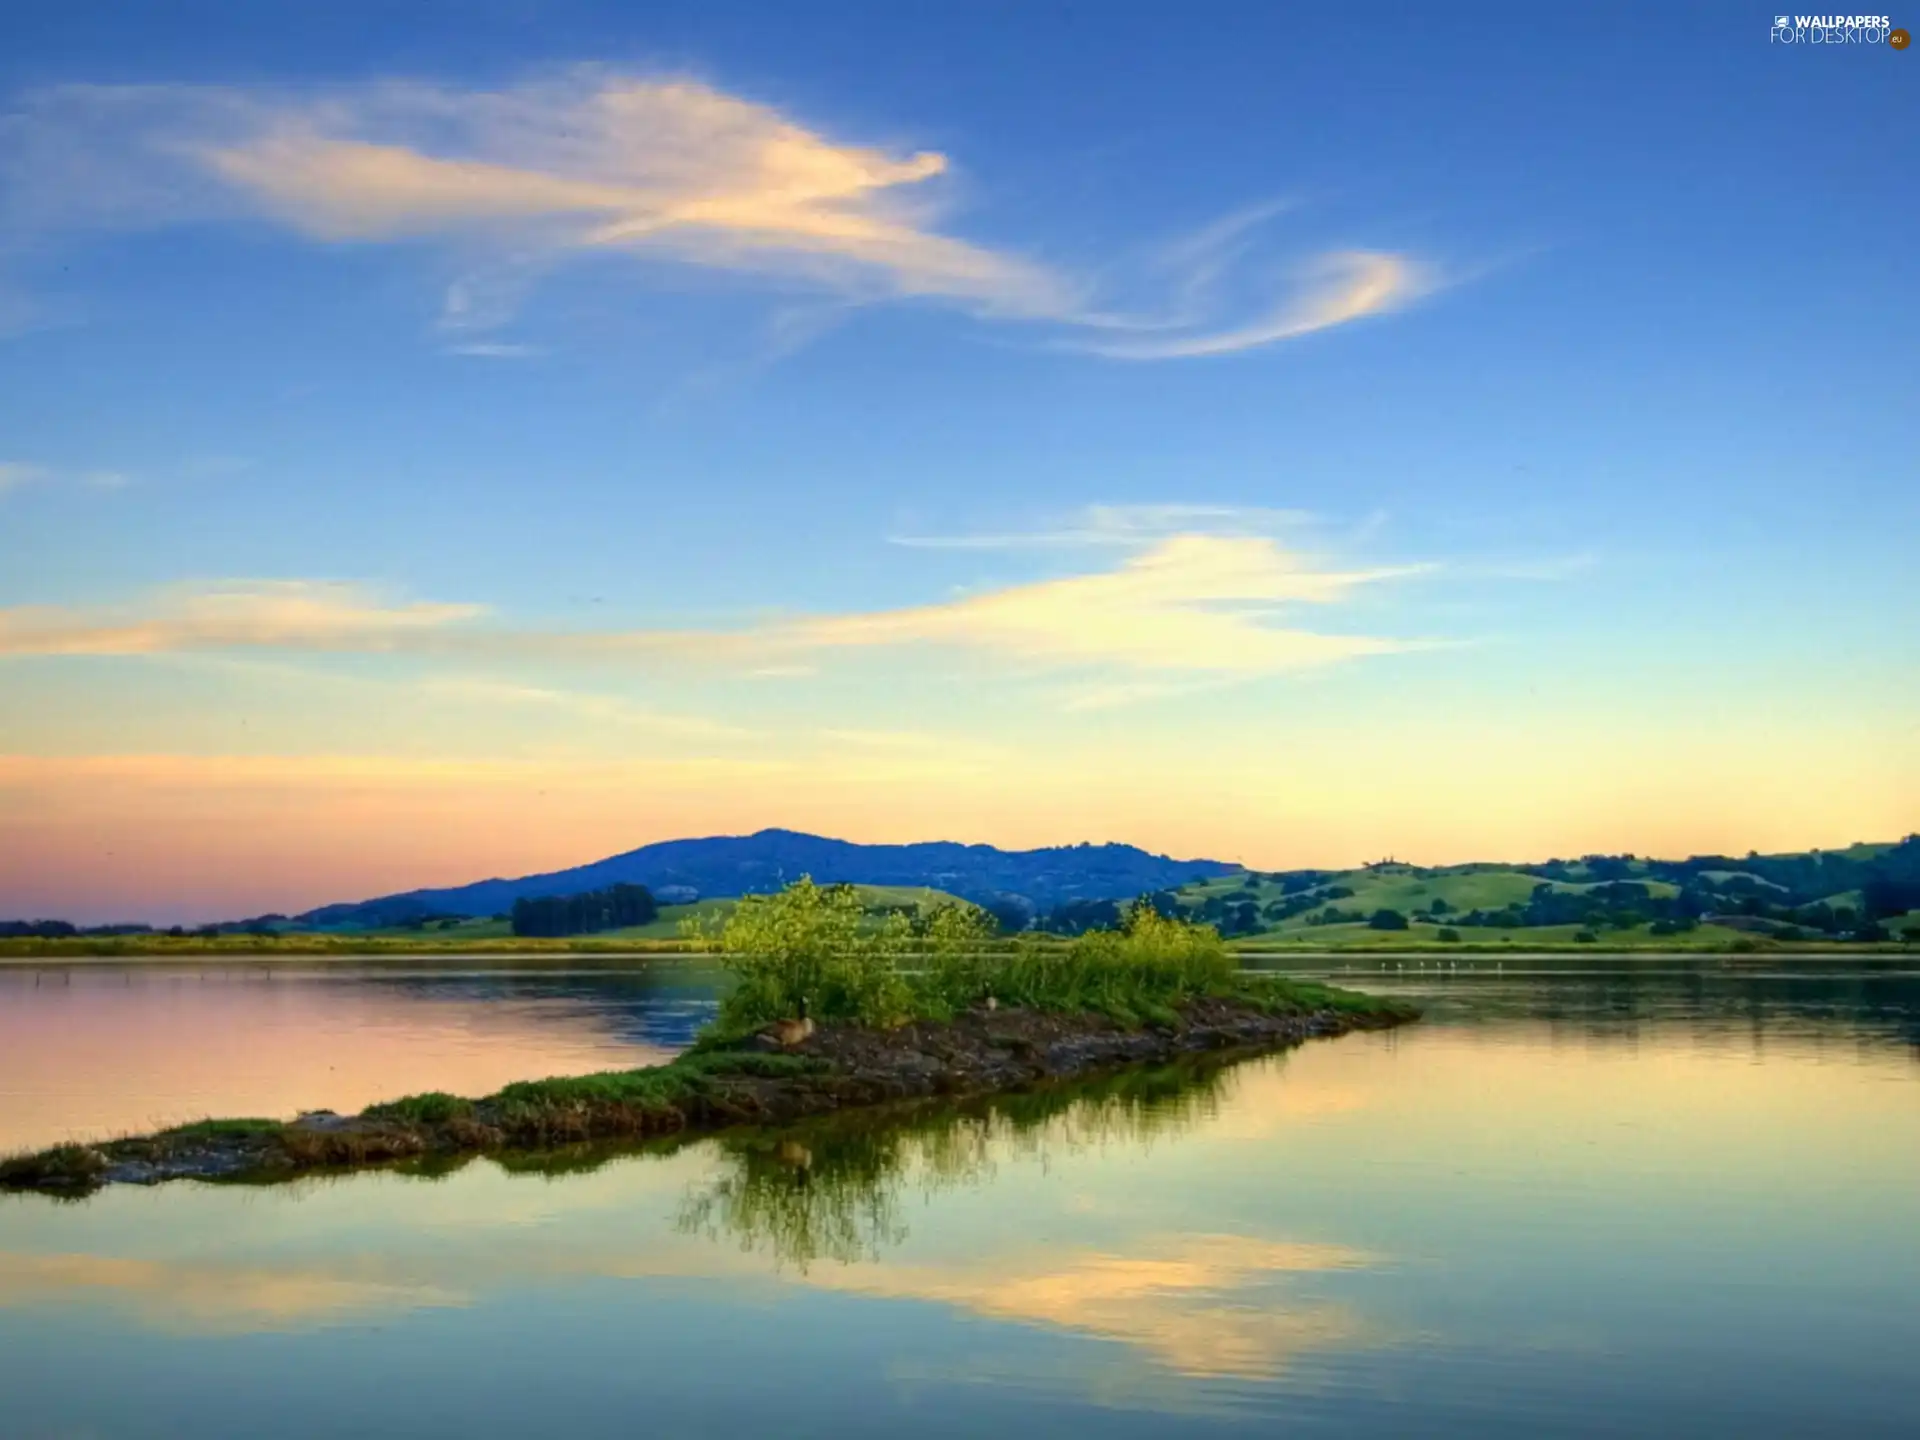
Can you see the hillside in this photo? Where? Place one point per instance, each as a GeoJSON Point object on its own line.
{"type": "Point", "coordinates": [730, 865]}
{"type": "Point", "coordinates": [1864, 893]}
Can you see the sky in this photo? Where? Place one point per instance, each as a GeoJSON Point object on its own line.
{"type": "Point", "coordinates": [443, 441]}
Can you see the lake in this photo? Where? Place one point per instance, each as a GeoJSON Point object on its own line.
{"type": "Point", "coordinates": [1583, 1197]}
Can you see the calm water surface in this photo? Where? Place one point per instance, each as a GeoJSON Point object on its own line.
{"type": "Point", "coordinates": [96, 1050]}
{"type": "Point", "coordinates": [1593, 1198]}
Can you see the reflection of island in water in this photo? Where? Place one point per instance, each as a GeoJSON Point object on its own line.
{"type": "Point", "coordinates": [831, 1189]}
{"type": "Point", "coordinates": [823, 1206]}
{"type": "Point", "coordinates": [824, 1202]}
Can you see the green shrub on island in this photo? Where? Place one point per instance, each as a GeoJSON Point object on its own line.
{"type": "Point", "coordinates": [812, 946]}
{"type": "Point", "coordinates": [817, 946]}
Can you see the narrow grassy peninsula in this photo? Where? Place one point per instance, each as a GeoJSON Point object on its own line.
{"type": "Point", "coordinates": [828, 1010]}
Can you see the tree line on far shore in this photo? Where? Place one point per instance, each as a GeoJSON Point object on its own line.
{"type": "Point", "coordinates": [614, 908]}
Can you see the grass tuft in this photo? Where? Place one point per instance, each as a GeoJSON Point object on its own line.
{"type": "Point", "coordinates": [219, 1129]}
{"type": "Point", "coordinates": [435, 1107]}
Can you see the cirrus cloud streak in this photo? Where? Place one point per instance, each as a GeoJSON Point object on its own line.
{"type": "Point", "coordinates": [587, 161]}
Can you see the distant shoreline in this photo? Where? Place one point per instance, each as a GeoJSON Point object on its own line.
{"type": "Point", "coordinates": [30, 954]}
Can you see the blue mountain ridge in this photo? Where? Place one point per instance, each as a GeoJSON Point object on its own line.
{"type": "Point", "coordinates": [727, 865]}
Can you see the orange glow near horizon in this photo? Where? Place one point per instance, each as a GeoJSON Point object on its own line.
{"type": "Point", "coordinates": [171, 838]}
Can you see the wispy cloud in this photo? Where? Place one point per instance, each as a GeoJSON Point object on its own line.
{"type": "Point", "coordinates": [496, 350]}
{"type": "Point", "coordinates": [286, 614]}
{"type": "Point", "coordinates": [1185, 605]}
{"type": "Point", "coordinates": [1336, 290]}
{"type": "Point", "coordinates": [591, 161]}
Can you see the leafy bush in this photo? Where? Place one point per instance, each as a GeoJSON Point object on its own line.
{"type": "Point", "coordinates": [1387, 920]}
{"type": "Point", "coordinates": [818, 944]}
{"type": "Point", "coordinates": [814, 945]}
{"type": "Point", "coordinates": [1450, 935]}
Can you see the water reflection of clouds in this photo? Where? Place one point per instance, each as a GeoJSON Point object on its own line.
{"type": "Point", "coordinates": [1201, 1305]}
{"type": "Point", "coordinates": [205, 1297]}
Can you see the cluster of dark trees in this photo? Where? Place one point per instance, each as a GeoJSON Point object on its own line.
{"type": "Point", "coordinates": [1076, 917]}
{"type": "Point", "coordinates": [613, 908]}
{"type": "Point", "coordinates": [1012, 913]}
{"type": "Point", "coordinates": [1619, 904]}
{"type": "Point", "coordinates": [1237, 912]}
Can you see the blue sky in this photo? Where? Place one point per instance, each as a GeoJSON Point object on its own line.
{"type": "Point", "coordinates": [1262, 431]}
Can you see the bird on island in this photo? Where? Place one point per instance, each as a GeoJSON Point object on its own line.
{"type": "Point", "coordinates": [792, 1153]}
{"type": "Point", "coordinates": [788, 1033]}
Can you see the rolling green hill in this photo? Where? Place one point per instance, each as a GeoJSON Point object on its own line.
{"type": "Point", "coordinates": [1612, 901]}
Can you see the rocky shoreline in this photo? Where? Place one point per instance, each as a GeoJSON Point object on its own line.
{"type": "Point", "coordinates": [839, 1067]}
